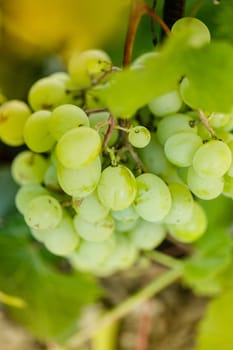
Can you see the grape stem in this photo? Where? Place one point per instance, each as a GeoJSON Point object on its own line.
{"type": "Point", "coordinates": [125, 307]}
{"type": "Point", "coordinates": [96, 110]}
{"type": "Point", "coordinates": [164, 259]}
{"type": "Point", "coordinates": [138, 9]}
{"type": "Point", "coordinates": [204, 120]}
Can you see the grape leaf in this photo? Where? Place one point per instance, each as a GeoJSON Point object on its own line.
{"type": "Point", "coordinates": [53, 299]}
{"type": "Point", "coordinates": [215, 329]}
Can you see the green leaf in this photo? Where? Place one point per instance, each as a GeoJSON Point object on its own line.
{"type": "Point", "coordinates": [53, 299]}
{"type": "Point", "coordinates": [215, 329]}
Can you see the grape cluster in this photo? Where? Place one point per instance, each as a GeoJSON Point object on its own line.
{"type": "Point", "coordinates": [98, 189]}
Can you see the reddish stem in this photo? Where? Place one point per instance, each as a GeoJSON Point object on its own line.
{"type": "Point", "coordinates": [144, 327]}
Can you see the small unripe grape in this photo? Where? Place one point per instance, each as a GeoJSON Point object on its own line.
{"type": "Point", "coordinates": [139, 136]}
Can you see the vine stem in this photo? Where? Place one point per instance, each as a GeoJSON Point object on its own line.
{"type": "Point", "coordinates": [138, 9]}
{"type": "Point", "coordinates": [125, 307]}
{"type": "Point", "coordinates": [164, 259]}
{"type": "Point", "coordinates": [204, 120]}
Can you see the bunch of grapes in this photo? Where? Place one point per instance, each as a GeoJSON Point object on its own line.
{"type": "Point", "coordinates": [99, 189]}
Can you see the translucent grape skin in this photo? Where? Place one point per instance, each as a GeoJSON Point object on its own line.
{"type": "Point", "coordinates": [36, 132]}
{"type": "Point", "coordinates": [117, 187]}
{"type": "Point", "coordinates": [27, 193]}
{"type": "Point", "coordinates": [13, 116]}
{"type": "Point", "coordinates": [66, 117]}
{"type": "Point", "coordinates": [139, 136]}
{"type": "Point", "coordinates": [28, 168]}
{"type": "Point", "coordinates": [43, 212]}
{"type": "Point", "coordinates": [153, 199]}
{"type": "Point", "coordinates": [212, 159]}
{"type": "Point", "coordinates": [80, 182]}
{"type": "Point", "coordinates": [78, 147]}
{"type": "Point", "coordinates": [166, 104]}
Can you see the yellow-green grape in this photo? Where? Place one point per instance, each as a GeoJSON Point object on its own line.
{"type": "Point", "coordinates": [36, 132]}
{"type": "Point", "coordinates": [87, 66]}
{"type": "Point", "coordinates": [78, 147]}
{"type": "Point", "coordinates": [139, 136]}
{"type": "Point", "coordinates": [192, 229]}
{"type": "Point", "coordinates": [43, 212]}
{"type": "Point", "coordinates": [143, 60]}
{"type": "Point", "coordinates": [90, 208]}
{"type": "Point", "coordinates": [13, 116]}
{"type": "Point", "coordinates": [212, 159]}
{"type": "Point", "coordinates": [65, 118]}
{"type": "Point", "coordinates": [181, 205]}
{"type": "Point", "coordinates": [80, 182]}
{"type": "Point", "coordinates": [47, 93]}
{"type": "Point", "coordinates": [94, 231]}
{"type": "Point", "coordinates": [98, 119]}
{"type": "Point", "coordinates": [125, 219]}
{"type": "Point", "coordinates": [147, 235]}
{"type": "Point", "coordinates": [117, 187]}
{"type": "Point", "coordinates": [219, 120]}
{"type": "Point", "coordinates": [29, 168]}
{"type": "Point", "coordinates": [50, 178]}
{"type": "Point", "coordinates": [199, 34]}
{"type": "Point", "coordinates": [204, 187]}
{"type": "Point", "coordinates": [228, 186]}
{"type": "Point", "coordinates": [166, 104]}
{"type": "Point", "coordinates": [26, 193]}
{"type": "Point", "coordinates": [180, 148]}
{"type": "Point", "coordinates": [153, 199]}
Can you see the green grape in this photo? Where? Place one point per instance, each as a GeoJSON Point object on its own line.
{"type": "Point", "coordinates": [126, 215]}
{"type": "Point", "coordinates": [88, 66]}
{"type": "Point", "coordinates": [61, 240]}
{"type": "Point", "coordinates": [153, 199]}
{"type": "Point", "coordinates": [13, 116]}
{"type": "Point", "coordinates": [94, 231]}
{"type": "Point", "coordinates": [143, 60]}
{"type": "Point", "coordinates": [166, 104]}
{"type": "Point", "coordinates": [154, 158]}
{"type": "Point", "coordinates": [36, 132]}
{"type": "Point", "coordinates": [204, 187]}
{"type": "Point", "coordinates": [90, 208]}
{"type": "Point", "coordinates": [26, 193]}
{"type": "Point", "coordinates": [172, 124]}
{"type": "Point", "coordinates": [50, 178]}
{"type": "Point", "coordinates": [62, 76]}
{"type": "Point", "coordinates": [117, 187]}
{"type": "Point", "coordinates": [125, 226]}
{"type": "Point", "coordinates": [43, 212]}
{"type": "Point", "coordinates": [123, 256]}
{"type": "Point", "coordinates": [89, 255]}
{"type": "Point", "coordinates": [47, 93]}
{"type": "Point", "coordinates": [139, 136]}
{"type": "Point", "coordinates": [28, 168]}
{"type": "Point", "coordinates": [80, 182]}
{"type": "Point", "coordinates": [192, 229]}
{"type": "Point", "coordinates": [180, 148]}
{"type": "Point", "coordinates": [199, 34]}
{"type": "Point", "coordinates": [219, 120]}
{"type": "Point", "coordinates": [228, 186]}
{"type": "Point", "coordinates": [65, 118]}
{"type": "Point", "coordinates": [96, 119]}
{"type": "Point", "coordinates": [182, 204]}
{"type": "Point", "coordinates": [147, 235]}
{"type": "Point", "coordinates": [78, 147]}
{"type": "Point", "coordinates": [212, 159]}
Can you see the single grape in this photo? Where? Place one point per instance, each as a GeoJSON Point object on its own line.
{"type": "Point", "coordinates": [61, 240]}
{"type": "Point", "coordinates": [94, 231]}
{"type": "Point", "coordinates": [219, 120]}
{"type": "Point", "coordinates": [153, 198]}
{"type": "Point", "coordinates": [90, 208]}
{"type": "Point", "coordinates": [28, 168]}
{"type": "Point", "coordinates": [26, 193]}
{"type": "Point", "coordinates": [47, 93]}
{"type": "Point", "coordinates": [89, 255]}
{"type": "Point", "coordinates": [50, 178]}
{"type": "Point", "coordinates": [180, 148]}
{"type": "Point", "coordinates": [117, 187]}
{"type": "Point", "coordinates": [182, 204]}
{"type": "Point", "coordinates": [80, 182]}
{"type": "Point", "coordinates": [78, 147]}
{"type": "Point", "coordinates": [13, 116]}
{"type": "Point", "coordinates": [143, 60]}
{"type": "Point", "coordinates": [174, 123]}
{"type": "Point", "coordinates": [166, 104]}
{"type": "Point", "coordinates": [199, 34]}
{"type": "Point", "coordinates": [66, 117]}
{"type": "Point", "coordinates": [204, 187]}
{"type": "Point", "coordinates": [36, 132]}
{"type": "Point", "coordinates": [192, 229]}
{"type": "Point", "coordinates": [87, 66]}
{"type": "Point", "coordinates": [139, 136]}
{"type": "Point", "coordinates": [43, 212]}
{"type": "Point", "coordinates": [125, 226]}
{"type": "Point", "coordinates": [126, 215]}
{"type": "Point", "coordinates": [147, 235]}
{"type": "Point", "coordinates": [212, 159]}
